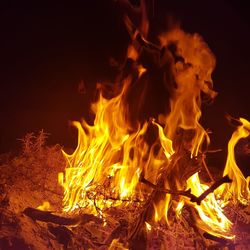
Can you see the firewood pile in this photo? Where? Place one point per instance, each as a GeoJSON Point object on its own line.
{"type": "Point", "coordinates": [28, 178]}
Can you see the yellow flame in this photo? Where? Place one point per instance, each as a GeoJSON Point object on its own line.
{"type": "Point", "coordinates": [179, 207]}
{"type": "Point", "coordinates": [161, 209]}
{"type": "Point", "coordinates": [45, 206]}
{"type": "Point", "coordinates": [212, 219]}
{"type": "Point", "coordinates": [238, 190]}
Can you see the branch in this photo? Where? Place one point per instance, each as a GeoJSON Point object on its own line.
{"type": "Point", "coordinates": [216, 184]}
{"type": "Point", "coordinates": [215, 238]}
{"type": "Point", "coordinates": [187, 193]}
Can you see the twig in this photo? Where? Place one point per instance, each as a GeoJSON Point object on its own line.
{"type": "Point", "coordinates": [216, 184]}
{"type": "Point", "coordinates": [109, 197]}
{"type": "Point", "coordinates": [187, 193]}
{"type": "Point", "coordinates": [206, 168]}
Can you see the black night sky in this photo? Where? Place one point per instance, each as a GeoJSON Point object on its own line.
{"type": "Point", "coordinates": [47, 50]}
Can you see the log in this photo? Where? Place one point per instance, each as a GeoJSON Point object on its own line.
{"type": "Point", "coordinates": [222, 241]}
{"type": "Point", "coordinates": [46, 216]}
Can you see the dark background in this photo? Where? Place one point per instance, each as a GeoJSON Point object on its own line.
{"type": "Point", "coordinates": [47, 50]}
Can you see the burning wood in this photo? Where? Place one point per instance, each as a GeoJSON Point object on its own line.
{"type": "Point", "coordinates": [217, 239]}
{"type": "Point", "coordinates": [187, 193]}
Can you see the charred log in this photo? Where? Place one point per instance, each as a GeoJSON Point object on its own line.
{"type": "Point", "coordinates": [45, 216]}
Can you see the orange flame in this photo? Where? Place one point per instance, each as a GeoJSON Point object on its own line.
{"type": "Point", "coordinates": [192, 75]}
{"type": "Point", "coordinates": [238, 190]}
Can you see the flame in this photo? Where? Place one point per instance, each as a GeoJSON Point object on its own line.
{"type": "Point", "coordinates": [112, 155]}
{"type": "Point", "coordinates": [179, 207]}
{"type": "Point", "coordinates": [238, 190]}
{"type": "Point", "coordinates": [97, 145]}
{"type": "Point", "coordinates": [192, 75]}
{"type": "Point", "coordinates": [107, 151]}
{"type": "Point", "coordinates": [45, 206]}
{"type": "Point", "coordinates": [148, 226]}
{"type": "Point", "coordinates": [161, 209]}
{"type": "Point", "coordinates": [116, 245]}
{"type": "Point", "coordinates": [212, 219]}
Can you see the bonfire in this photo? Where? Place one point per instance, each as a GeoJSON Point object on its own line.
{"type": "Point", "coordinates": [134, 181]}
